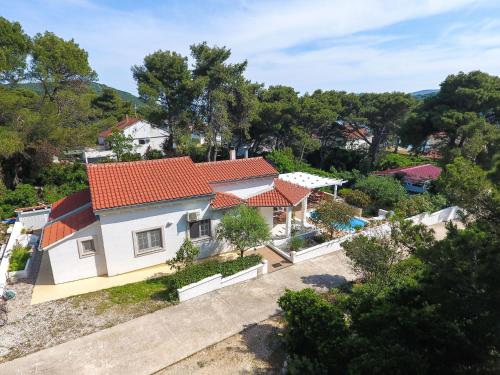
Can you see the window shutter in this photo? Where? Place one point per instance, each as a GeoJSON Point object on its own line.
{"type": "Point", "coordinates": [194, 229]}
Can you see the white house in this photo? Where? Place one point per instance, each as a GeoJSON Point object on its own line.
{"type": "Point", "coordinates": [137, 214]}
{"type": "Point", "coordinates": [144, 136]}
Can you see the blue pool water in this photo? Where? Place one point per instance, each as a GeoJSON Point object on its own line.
{"type": "Point", "coordinates": [353, 223]}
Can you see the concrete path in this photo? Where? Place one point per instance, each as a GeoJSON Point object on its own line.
{"type": "Point", "coordinates": [154, 341]}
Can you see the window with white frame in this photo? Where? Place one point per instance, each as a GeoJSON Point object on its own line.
{"type": "Point", "coordinates": [148, 241]}
{"type": "Point", "coordinates": [200, 229]}
{"type": "Point", "coordinates": [87, 247]}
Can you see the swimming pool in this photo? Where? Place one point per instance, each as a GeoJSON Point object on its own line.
{"type": "Point", "coordinates": [354, 223]}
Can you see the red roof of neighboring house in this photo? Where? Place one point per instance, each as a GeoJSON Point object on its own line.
{"type": "Point", "coordinates": [131, 183]}
{"type": "Point", "coordinates": [234, 170]}
{"type": "Point", "coordinates": [123, 124]}
{"type": "Point", "coordinates": [225, 200]}
{"type": "Point", "coordinates": [60, 229]}
{"type": "Point", "coordinates": [417, 173]}
{"type": "Point", "coordinates": [70, 203]}
{"type": "Point", "coordinates": [284, 194]}
{"type": "Point", "coordinates": [32, 208]}
{"type": "Point", "coordinates": [351, 133]}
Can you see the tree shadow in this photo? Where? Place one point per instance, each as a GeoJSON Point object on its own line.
{"type": "Point", "coordinates": [324, 281]}
{"type": "Point", "coordinates": [264, 341]}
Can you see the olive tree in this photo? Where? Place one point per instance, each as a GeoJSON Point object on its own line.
{"type": "Point", "coordinates": [243, 227]}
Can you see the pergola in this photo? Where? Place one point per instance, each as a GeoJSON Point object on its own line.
{"type": "Point", "coordinates": [311, 181]}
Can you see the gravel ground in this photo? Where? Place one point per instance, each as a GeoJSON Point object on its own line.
{"type": "Point", "coordinates": [256, 350]}
{"type": "Point", "coordinates": [32, 328]}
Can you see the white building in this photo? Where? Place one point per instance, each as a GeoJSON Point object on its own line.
{"type": "Point", "coordinates": [137, 214]}
{"type": "Point", "coordinates": [144, 136]}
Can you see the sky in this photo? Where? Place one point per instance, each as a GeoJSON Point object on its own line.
{"type": "Point", "coordinates": [351, 45]}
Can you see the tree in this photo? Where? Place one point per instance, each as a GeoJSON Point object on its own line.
{"type": "Point", "coordinates": [185, 256]}
{"type": "Point", "coordinates": [120, 144]}
{"type": "Point", "coordinates": [384, 191]}
{"type": "Point", "coordinates": [59, 64]}
{"type": "Point", "coordinates": [165, 82]}
{"type": "Point", "coordinates": [333, 216]}
{"type": "Point", "coordinates": [418, 203]}
{"type": "Point", "coordinates": [217, 82]}
{"type": "Point", "coordinates": [110, 103]}
{"type": "Point", "coordinates": [243, 228]}
{"type": "Point", "coordinates": [14, 48]}
{"type": "Point", "coordinates": [466, 185]}
{"type": "Point", "coordinates": [465, 112]}
{"type": "Point", "coordinates": [382, 114]}
{"type": "Point", "coordinates": [357, 198]}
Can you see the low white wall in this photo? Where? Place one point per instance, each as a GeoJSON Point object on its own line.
{"type": "Point", "coordinates": [23, 274]}
{"type": "Point", "coordinates": [446, 214]}
{"type": "Point", "coordinates": [211, 283]}
{"type": "Point", "coordinates": [5, 261]}
{"type": "Point", "coordinates": [34, 219]}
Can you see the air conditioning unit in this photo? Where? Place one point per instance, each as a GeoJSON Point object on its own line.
{"type": "Point", "coordinates": [194, 215]}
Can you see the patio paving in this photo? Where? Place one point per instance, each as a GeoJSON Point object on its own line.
{"type": "Point", "coordinates": [45, 289]}
{"type": "Point", "coordinates": [152, 342]}
{"type": "Point", "coordinates": [274, 260]}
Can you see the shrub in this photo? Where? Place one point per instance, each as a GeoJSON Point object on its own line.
{"type": "Point", "coordinates": [416, 204]}
{"type": "Point", "coordinates": [384, 191]}
{"type": "Point", "coordinates": [390, 161]}
{"type": "Point", "coordinates": [19, 258]}
{"type": "Point", "coordinates": [185, 256]}
{"type": "Point", "coordinates": [357, 198]}
{"type": "Point", "coordinates": [296, 243]}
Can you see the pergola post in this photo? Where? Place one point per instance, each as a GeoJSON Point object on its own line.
{"type": "Point", "coordinates": [288, 221]}
{"type": "Point", "coordinates": [335, 192]}
{"type": "Point", "coordinates": [304, 209]}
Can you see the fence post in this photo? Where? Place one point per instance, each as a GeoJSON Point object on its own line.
{"type": "Point", "coordinates": [264, 267]}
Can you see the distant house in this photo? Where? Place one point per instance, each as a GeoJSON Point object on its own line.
{"type": "Point", "coordinates": [352, 138]}
{"type": "Point", "coordinates": [137, 214]}
{"type": "Point", "coordinates": [415, 179]}
{"type": "Point", "coordinates": [144, 136]}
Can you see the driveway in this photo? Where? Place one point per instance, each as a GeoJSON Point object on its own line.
{"type": "Point", "coordinates": [154, 341]}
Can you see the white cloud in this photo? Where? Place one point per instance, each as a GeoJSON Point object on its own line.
{"type": "Point", "coordinates": [272, 36]}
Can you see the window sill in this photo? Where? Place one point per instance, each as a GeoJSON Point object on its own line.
{"type": "Point", "coordinates": [87, 255]}
{"type": "Point", "coordinates": [201, 239]}
{"type": "Point", "coordinates": [148, 252]}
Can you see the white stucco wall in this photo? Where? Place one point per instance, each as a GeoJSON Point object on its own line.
{"type": "Point", "coordinates": [267, 214]}
{"type": "Point", "coordinates": [144, 130]}
{"type": "Point", "coordinates": [118, 226]}
{"type": "Point", "coordinates": [247, 188]}
{"type": "Point", "coordinates": [34, 219]}
{"type": "Point", "coordinates": [65, 260]}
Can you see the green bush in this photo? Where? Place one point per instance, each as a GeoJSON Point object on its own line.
{"type": "Point", "coordinates": [296, 243]}
{"type": "Point", "coordinates": [390, 161]}
{"type": "Point", "coordinates": [384, 191]}
{"type": "Point", "coordinates": [357, 198]}
{"type": "Point", "coordinates": [19, 258]}
{"type": "Point", "coordinates": [418, 203]}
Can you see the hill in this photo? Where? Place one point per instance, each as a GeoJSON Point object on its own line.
{"type": "Point", "coordinates": [96, 87]}
{"type": "Point", "coordinates": [422, 94]}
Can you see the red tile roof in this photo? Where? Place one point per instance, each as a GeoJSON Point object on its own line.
{"type": "Point", "coordinates": [284, 194]}
{"type": "Point", "coordinates": [225, 200]}
{"type": "Point", "coordinates": [417, 173]}
{"type": "Point", "coordinates": [131, 183]}
{"type": "Point", "coordinates": [123, 124]}
{"type": "Point", "coordinates": [271, 198]}
{"type": "Point", "coordinates": [292, 192]}
{"type": "Point", "coordinates": [234, 170]}
{"type": "Point", "coordinates": [70, 203]}
{"type": "Point", "coordinates": [60, 229]}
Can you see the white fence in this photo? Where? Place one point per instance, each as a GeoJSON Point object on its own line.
{"type": "Point", "coordinates": [209, 284]}
{"type": "Point", "coordinates": [446, 214]}
{"type": "Point", "coordinates": [5, 260]}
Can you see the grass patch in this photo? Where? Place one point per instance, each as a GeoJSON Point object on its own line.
{"type": "Point", "coordinates": [19, 258]}
{"type": "Point", "coordinates": [164, 288]}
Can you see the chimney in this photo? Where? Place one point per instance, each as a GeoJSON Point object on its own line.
{"type": "Point", "coordinates": [126, 118]}
{"type": "Point", "coordinates": [232, 153]}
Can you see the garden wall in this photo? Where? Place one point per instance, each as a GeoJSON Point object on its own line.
{"type": "Point", "coordinates": [446, 214]}
{"type": "Point", "coordinates": [209, 284]}
{"type": "Point", "coordinates": [5, 260]}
